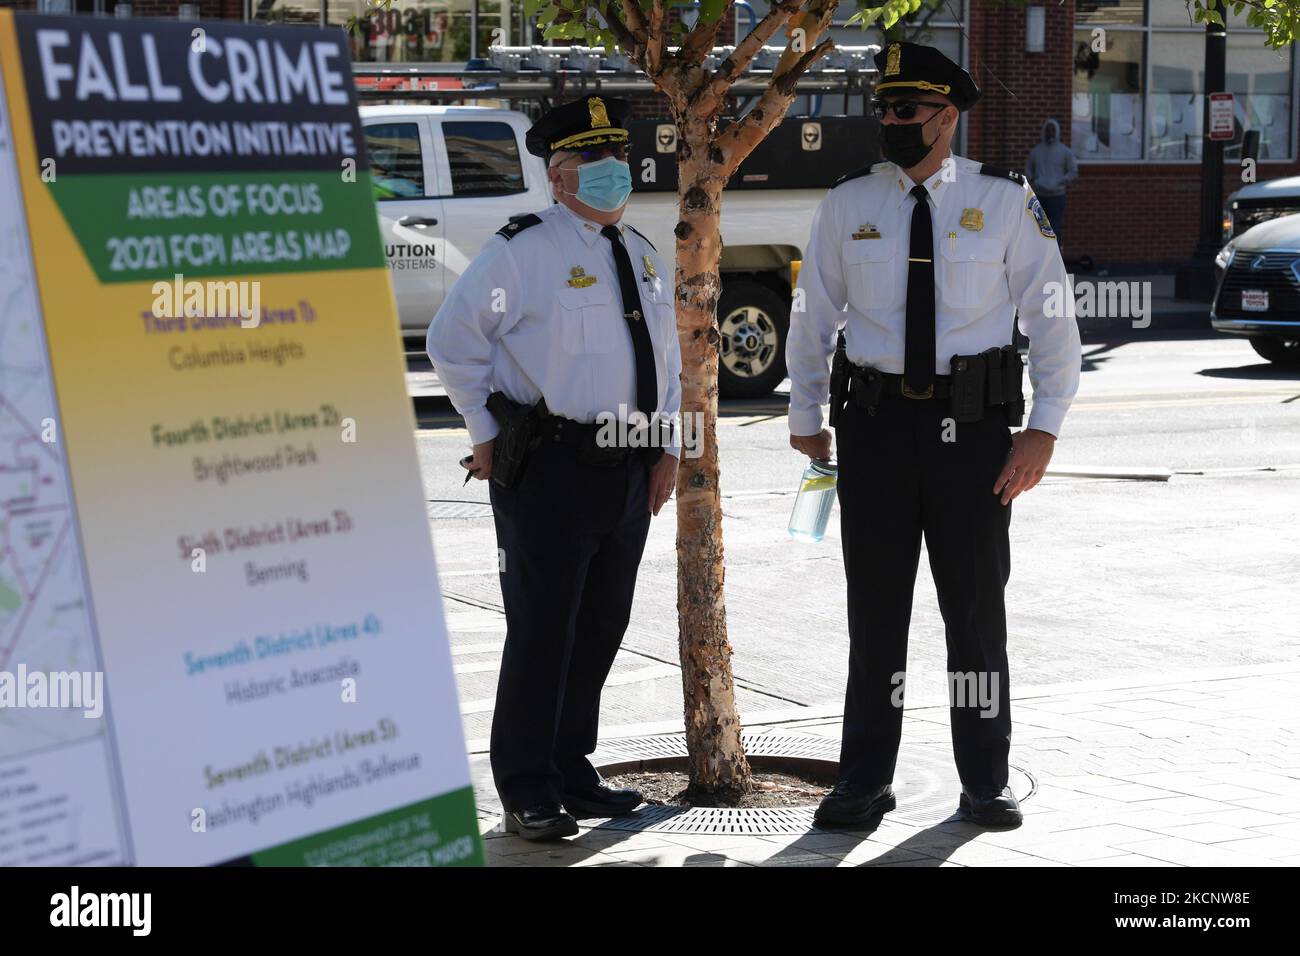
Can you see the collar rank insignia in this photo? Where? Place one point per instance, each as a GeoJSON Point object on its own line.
{"type": "Point", "coordinates": [579, 279]}
{"type": "Point", "coordinates": [972, 219]}
{"type": "Point", "coordinates": [867, 231]}
{"type": "Point", "coordinates": [649, 267]}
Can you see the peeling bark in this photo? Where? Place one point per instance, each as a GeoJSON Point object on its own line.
{"type": "Point", "coordinates": [706, 159]}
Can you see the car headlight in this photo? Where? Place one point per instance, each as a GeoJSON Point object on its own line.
{"type": "Point", "coordinates": [1224, 257]}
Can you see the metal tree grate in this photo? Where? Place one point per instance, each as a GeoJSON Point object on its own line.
{"type": "Point", "coordinates": [459, 509]}
{"type": "Point", "coordinates": [925, 784]}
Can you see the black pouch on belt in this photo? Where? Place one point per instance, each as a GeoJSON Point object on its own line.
{"type": "Point", "coordinates": [968, 387]}
{"type": "Point", "coordinates": [839, 379]}
{"type": "Point", "coordinates": [1013, 387]}
{"type": "Point", "coordinates": [519, 435]}
{"type": "Point", "coordinates": [993, 376]}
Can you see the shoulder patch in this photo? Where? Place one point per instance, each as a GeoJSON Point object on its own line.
{"type": "Point", "coordinates": [641, 234]}
{"type": "Point", "coordinates": [1000, 172]}
{"type": "Point", "coordinates": [518, 224]}
{"type": "Point", "coordinates": [855, 174]}
{"type": "Point", "coordinates": [1035, 209]}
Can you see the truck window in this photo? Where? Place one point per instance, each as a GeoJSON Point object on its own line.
{"type": "Point", "coordinates": [396, 162]}
{"type": "Point", "coordinates": [484, 159]}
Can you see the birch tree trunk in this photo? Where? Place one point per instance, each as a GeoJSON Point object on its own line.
{"type": "Point", "coordinates": [717, 760]}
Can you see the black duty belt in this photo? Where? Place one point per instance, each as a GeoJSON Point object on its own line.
{"type": "Point", "coordinates": [583, 436]}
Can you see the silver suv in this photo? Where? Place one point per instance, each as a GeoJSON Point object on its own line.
{"type": "Point", "coordinates": [1259, 289]}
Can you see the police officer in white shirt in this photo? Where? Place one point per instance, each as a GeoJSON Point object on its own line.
{"type": "Point", "coordinates": [923, 262]}
{"type": "Point", "coordinates": [573, 308]}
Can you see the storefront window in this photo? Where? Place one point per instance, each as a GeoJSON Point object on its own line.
{"type": "Point", "coordinates": [1108, 11]}
{"type": "Point", "coordinates": [1110, 104]}
{"type": "Point", "coordinates": [1106, 108]}
{"type": "Point", "coordinates": [1260, 79]}
{"type": "Point", "coordinates": [1177, 101]}
{"type": "Point", "coordinates": [287, 11]}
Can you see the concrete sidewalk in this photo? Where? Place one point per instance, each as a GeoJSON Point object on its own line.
{"type": "Point", "coordinates": [1194, 769]}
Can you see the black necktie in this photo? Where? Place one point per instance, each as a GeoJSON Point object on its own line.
{"type": "Point", "coordinates": [647, 389]}
{"type": "Point", "coordinates": [918, 355]}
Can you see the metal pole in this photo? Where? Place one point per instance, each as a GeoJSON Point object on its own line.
{"type": "Point", "coordinates": [1195, 278]}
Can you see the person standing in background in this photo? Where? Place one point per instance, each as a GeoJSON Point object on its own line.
{"type": "Point", "coordinates": [1049, 168]}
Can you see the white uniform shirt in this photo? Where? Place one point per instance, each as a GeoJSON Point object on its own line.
{"type": "Point", "coordinates": [991, 257]}
{"type": "Point", "coordinates": [521, 321]}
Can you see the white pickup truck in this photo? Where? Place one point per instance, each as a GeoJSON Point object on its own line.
{"type": "Point", "coordinates": [448, 177]}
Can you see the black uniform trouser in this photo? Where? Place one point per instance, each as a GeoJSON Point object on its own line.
{"type": "Point", "coordinates": [899, 479]}
{"type": "Point", "coordinates": [571, 538]}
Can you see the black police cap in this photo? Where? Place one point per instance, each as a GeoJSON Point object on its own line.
{"type": "Point", "coordinates": [590, 121]}
{"type": "Point", "coordinates": [910, 68]}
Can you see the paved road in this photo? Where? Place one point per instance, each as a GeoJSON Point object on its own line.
{"type": "Point", "coordinates": [1109, 577]}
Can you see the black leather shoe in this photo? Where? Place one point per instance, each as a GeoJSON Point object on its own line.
{"type": "Point", "coordinates": [601, 800]}
{"type": "Point", "coordinates": [546, 821]}
{"type": "Point", "coordinates": [995, 808]}
{"type": "Point", "coordinates": [854, 805]}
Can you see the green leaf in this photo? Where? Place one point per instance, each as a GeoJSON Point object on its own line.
{"type": "Point", "coordinates": [548, 15]}
{"type": "Point", "coordinates": [532, 6]}
{"type": "Point", "coordinates": [710, 10]}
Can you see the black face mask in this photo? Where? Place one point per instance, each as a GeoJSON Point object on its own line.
{"type": "Point", "coordinates": [903, 144]}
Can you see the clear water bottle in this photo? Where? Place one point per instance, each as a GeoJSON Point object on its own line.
{"type": "Point", "coordinates": [812, 506]}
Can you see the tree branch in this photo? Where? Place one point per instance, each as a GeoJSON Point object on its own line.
{"type": "Point", "coordinates": [711, 93]}
{"type": "Point", "coordinates": [738, 140]}
{"type": "Point", "coordinates": [700, 40]}
{"type": "Point", "coordinates": [622, 35]}
{"type": "Point", "coordinates": [634, 20]}
{"type": "Point", "coordinates": [657, 34]}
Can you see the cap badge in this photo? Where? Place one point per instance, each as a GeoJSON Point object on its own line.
{"type": "Point", "coordinates": [579, 279]}
{"type": "Point", "coordinates": [598, 115]}
{"type": "Point", "coordinates": [892, 59]}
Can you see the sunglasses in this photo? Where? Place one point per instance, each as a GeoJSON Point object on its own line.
{"type": "Point", "coordinates": [903, 109]}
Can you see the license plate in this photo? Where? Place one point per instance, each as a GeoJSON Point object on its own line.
{"type": "Point", "coordinates": [1254, 300]}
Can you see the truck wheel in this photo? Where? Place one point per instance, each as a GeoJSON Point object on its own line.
{"type": "Point", "coordinates": [754, 322]}
{"type": "Point", "coordinates": [1278, 350]}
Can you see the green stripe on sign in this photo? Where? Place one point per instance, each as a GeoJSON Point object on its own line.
{"type": "Point", "coordinates": [145, 227]}
{"type": "Point", "coordinates": [442, 831]}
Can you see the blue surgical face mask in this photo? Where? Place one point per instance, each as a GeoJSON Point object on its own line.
{"type": "Point", "coordinates": [604, 184]}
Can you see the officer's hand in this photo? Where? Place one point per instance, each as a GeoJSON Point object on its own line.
{"type": "Point", "coordinates": [480, 463]}
{"type": "Point", "coordinates": [1031, 450]}
{"type": "Point", "coordinates": [663, 479]}
{"type": "Point", "coordinates": [814, 446]}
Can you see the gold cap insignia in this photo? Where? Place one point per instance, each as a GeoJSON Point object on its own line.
{"type": "Point", "coordinates": [892, 58]}
{"type": "Point", "coordinates": [972, 219]}
{"type": "Point", "coordinates": [599, 117]}
{"type": "Point", "coordinates": [579, 279]}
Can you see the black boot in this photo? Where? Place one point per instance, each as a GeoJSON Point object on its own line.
{"type": "Point", "coordinates": [854, 805]}
{"type": "Point", "coordinates": [993, 808]}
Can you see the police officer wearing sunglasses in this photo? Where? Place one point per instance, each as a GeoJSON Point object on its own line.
{"type": "Point", "coordinates": [913, 275]}
{"type": "Point", "coordinates": [559, 347]}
